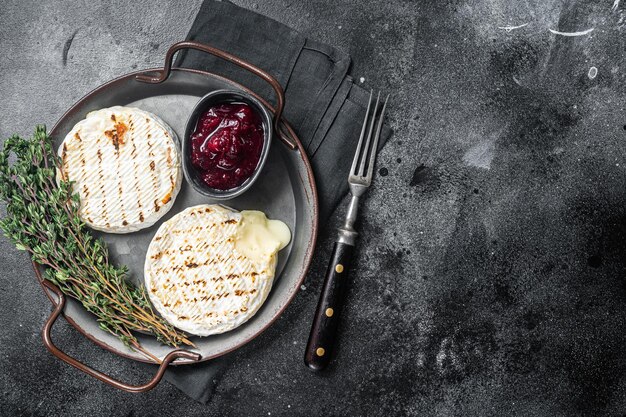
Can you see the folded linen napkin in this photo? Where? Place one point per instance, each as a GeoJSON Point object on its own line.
{"type": "Point", "coordinates": [322, 103]}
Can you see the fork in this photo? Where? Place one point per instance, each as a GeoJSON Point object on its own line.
{"type": "Point", "coordinates": [323, 331]}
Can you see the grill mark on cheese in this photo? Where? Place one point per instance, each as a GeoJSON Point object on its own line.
{"type": "Point", "coordinates": [167, 198]}
{"type": "Point", "coordinates": [199, 264]}
{"type": "Point", "coordinates": [121, 199]}
{"type": "Point", "coordinates": [104, 201]}
{"type": "Point", "coordinates": [181, 249]}
{"type": "Point", "coordinates": [192, 230]}
{"type": "Point", "coordinates": [185, 284]}
{"type": "Point", "coordinates": [117, 134]}
{"type": "Point", "coordinates": [153, 177]}
{"type": "Point", "coordinates": [136, 187]}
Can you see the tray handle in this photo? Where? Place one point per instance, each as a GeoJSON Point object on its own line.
{"type": "Point", "coordinates": [280, 94]}
{"type": "Point", "coordinates": [47, 340]}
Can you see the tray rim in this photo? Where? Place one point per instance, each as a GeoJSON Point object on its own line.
{"type": "Point", "coordinates": [308, 256]}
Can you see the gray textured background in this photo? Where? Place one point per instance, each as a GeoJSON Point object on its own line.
{"type": "Point", "coordinates": [490, 275]}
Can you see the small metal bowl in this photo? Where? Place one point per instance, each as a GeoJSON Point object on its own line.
{"type": "Point", "coordinates": [212, 99]}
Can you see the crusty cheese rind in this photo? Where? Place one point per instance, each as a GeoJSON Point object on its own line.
{"type": "Point", "coordinates": [196, 278]}
{"type": "Point", "coordinates": [125, 166]}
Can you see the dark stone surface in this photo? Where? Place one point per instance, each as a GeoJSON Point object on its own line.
{"type": "Point", "coordinates": [490, 272]}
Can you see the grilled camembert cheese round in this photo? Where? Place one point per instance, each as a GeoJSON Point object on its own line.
{"type": "Point", "coordinates": [125, 166]}
{"type": "Point", "coordinates": [209, 269]}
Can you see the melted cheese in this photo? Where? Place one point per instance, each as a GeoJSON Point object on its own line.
{"type": "Point", "coordinates": [258, 237]}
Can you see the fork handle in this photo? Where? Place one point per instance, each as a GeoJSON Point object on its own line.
{"type": "Point", "coordinates": [323, 331]}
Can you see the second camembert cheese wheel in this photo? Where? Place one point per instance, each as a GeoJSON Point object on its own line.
{"type": "Point", "coordinates": [209, 269]}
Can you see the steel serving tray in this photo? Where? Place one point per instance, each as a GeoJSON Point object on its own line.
{"type": "Point", "coordinates": [285, 191]}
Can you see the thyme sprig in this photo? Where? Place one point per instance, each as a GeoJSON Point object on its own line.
{"type": "Point", "coordinates": [43, 220]}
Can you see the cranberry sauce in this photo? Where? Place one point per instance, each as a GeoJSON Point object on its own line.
{"type": "Point", "coordinates": [226, 145]}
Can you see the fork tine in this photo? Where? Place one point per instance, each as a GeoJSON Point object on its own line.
{"type": "Point", "coordinates": [358, 146]}
{"type": "Point", "coordinates": [374, 150]}
{"type": "Point", "coordinates": [369, 137]}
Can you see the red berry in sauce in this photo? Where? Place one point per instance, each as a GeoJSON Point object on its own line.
{"type": "Point", "coordinates": [226, 145]}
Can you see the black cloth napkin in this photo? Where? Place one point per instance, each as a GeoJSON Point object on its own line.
{"type": "Point", "coordinates": [322, 103]}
